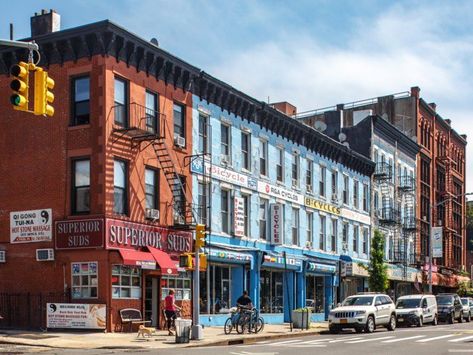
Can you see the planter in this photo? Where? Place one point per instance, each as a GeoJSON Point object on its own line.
{"type": "Point", "coordinates": [301, 319]}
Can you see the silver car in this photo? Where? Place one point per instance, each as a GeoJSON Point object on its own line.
{"type": "Point", "coordinates": [467, 303]}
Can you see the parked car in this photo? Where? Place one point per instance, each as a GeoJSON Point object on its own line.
{"type": "Point", "coordinates": [449, 307]}
{"type": "Point", "coordinates": [417, 310]}
{"type": "Point", "coordinates": [363, 312]}
{"type": "Point", "coordinates": [467, 303]}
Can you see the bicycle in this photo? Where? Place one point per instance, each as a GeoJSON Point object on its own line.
{"type": "Point", "coordinates": [173, 323]}
{"type": "Point", "coordinates": [232, 321]}
{"type": "Point", "coordinates": [250, 321]}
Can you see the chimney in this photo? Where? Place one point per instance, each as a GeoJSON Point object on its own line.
{"type": "Point", "coordinates": [448, 121]}
{"type": "Point", "coordinates": [433, 106]}
{"type": "Point", "coordinates": [45, 22]}
{"type": "Point", "coordinates": [463, 136]}
{"type": "Point", "coordinates": [415, 91]}
{"type": "Point", "coordinates": [285, 107]}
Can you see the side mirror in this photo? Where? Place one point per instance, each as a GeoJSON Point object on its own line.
{"type": "Point", "coordinates": [339, 304]}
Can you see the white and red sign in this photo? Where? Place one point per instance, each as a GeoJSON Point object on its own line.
{"type": "Point", "coordinates": [76, 316]}
{"type": "Point", "coordinates": [31, 226]}
{"type": "Point", "coordinates": [239, 216]}
{"type": "Point", "coordinates": [275, 212]}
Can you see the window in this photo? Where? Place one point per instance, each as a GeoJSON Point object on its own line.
{"type": "Point", "coordinates": [322, 232]}
{"type": "Point", "coordinates": [179, 120]}
{"type": "Point", "coordinates": [246, 214]}
{"type": "Point", "coordinates": [334, 235]}
{"type": "Point", "coordinates": [308, 176]}
{"type": "Point", "coordinates": [280, 165]}
{"type": "Point", "coordinates": [263, 221]}
{"type": "Point", "coordinates": [310, 225]}
{"type": "Point", "coordinates": [151, 112]}
{"type": "Point", "coordinates": [323, 172]}
{"type": "Point", "coordinates": [346, 191]}
{"type": "Point", "coordinates": [271, 291]}
{"type": "Point", "coordinates": [365, 197]}
{"type": "Point", "coordinates": [365, 241]}
{"type": "Point", "coordinates": [179, 196]}
{"type": "Point", "coordinates": [295, 226]}
{"type": "Point", "coordinates": [202, 201]}
{"type": "Point", "coordinates": [151, 188]}
{"type": "Point", "coordinates": [81, 186]}
{"type": "Point", "coordinates": [355, 193]}
{"type": "Point", "coordinates": [126, 281]}
{"type": "Point", "coordinates": [376, 202]}
{"type": "Point", "coordinates": [181, 284]}
{"type": "Point", "coordinates": [84, 280]}
{"type": "Point", "coordinates": [215, 289]}
{"type": "Point", "coordinates": [263, 157]}
{"type": "Point", "coordinates": [356, 232]}
{"type": "Point", "coordinates": [246, 150]}
{"type": "Point", "coordinates": [225, 208]}
{"type": "Point", "coordinates": [295, 169]}
{"type": "Point", "coordinates": [203, 134]}
{"type": "Point", "coordinates": [120, 182]}
{"type": "Point", "coordinates": [345, 236]}
{"type": "Point", "coordinates": [225, 143]}
{"type": "Point", "coordinates": [121, 102]}
{"type": "Point", "coordinates": [391, 169]}
{"type": "Point", "coordinates": [81, 100]}
{"type": "Point", "coordinates": [334, 185]}
{"type": "Point", "coordinates": [315, 293]}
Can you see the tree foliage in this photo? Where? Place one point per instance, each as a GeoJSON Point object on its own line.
{"type": "Point", "coordinates": [377, 269]}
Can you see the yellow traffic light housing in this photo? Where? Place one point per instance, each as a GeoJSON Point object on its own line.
{"type": "Point", "coordinates": [185, 260]}
{"type": "Point", "coordinates": [199, 236]}
{"type": "Point", "coordinates": [20, 85]}
{"type": "Point", "coordinates": [202, 261]}
{"type": "Point", "coordinates": [42, 96]}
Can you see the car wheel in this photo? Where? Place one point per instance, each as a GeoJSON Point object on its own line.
{"type": "Point", "coordinates": [468, 319]}
{"type": "Point", "coordinates": [451, 319]}
{"type": "Point", "coordinates": [370, 325]}
{"type": "Point", "coordinates": [461, 319]}
{"type": "Point", "coordinates": [435, 321]}
{"type": "Point", "coordinates": [333, 330]}
{"type": "Point", "coordinates": [420, 322]}
{"type": "Point", "coordinates": [392, 323]}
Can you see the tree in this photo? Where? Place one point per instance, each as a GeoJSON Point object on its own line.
{"type": "Point", "coordinates": [377, 269]}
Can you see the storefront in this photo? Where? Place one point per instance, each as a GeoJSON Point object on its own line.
{"type": "Point", "coordinates": [354, 277]}
{"type": "Point", "coordinates": [403, 280]}
{"type": "Point", "coordinates": [320, 285]}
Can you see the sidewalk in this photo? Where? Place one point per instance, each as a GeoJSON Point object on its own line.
{"type": "Point", "coordinates": [212, 336]}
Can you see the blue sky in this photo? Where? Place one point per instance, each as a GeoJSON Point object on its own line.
{"type": "Point", "coordinates": [311, 53]}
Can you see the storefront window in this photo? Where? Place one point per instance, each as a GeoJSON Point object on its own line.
{"type": "Point", "coordinates": [315, 293]}
{"type": "Point", "coordinates": [126, 281]}
{"type": "Point", "coordinates": [84, 280]}
{"type": "Point", "coordinates": [271, 291]}
{"type": "Point", "coordinates": [181, 284]}
{"type": "Point", "coordinates": [215, 289]}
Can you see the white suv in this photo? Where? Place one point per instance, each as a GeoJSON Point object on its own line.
{"type": "Point", "coordinates": [363, 311]}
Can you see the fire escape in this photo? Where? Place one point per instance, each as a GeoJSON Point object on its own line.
{"type": "Point", "coordinates": [405, 250]}
{"type": "Point", "coordinates": [148, 128]}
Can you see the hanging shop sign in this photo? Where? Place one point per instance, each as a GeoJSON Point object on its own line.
{"type": "Point", "coordinates": [229, 256]}
{"type": "Point", "coordinates": [239, 216]}
{"type": "Point", "coordinates": [403, 274]}
{"type": "Point", "coordinates": [275, 214]}
{"type": "Point", "coordinates": [318, 267]}
{"type": "Point", "coordinates": [278, 192]}
{"type": "Point", "coordinates": [437, 247]}
{"type": "Point", "coordinates": [128, 235]}
{"type": "Point", "coordinates": [31, 226]}
{"type": "Point", "coordinates": [199, 166]}
{"type": "Point", "coordinates": [76, 316]}
{"type": "Point", "coordinates": [279, 261]}
{"type": "Point", "coordinates": [321, 206]}
{"type": "Point", "coordinates": [79, 234]}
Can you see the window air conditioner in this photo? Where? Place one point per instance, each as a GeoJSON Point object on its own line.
{"type": "Point", "coordinates": [334, 198]}
{"type": "Point", "coordinates": [44, 254]}
{"type": "Point", "coordinates": [151, 213]}
{"type": "Point", "coordinates": [179, 141]}
{"type": "Point", "coordinates": [3, 256]}
{"type": "Point", "coordinates": [308, 245]}
{"type": "Point", "coordinates": [225, 159]}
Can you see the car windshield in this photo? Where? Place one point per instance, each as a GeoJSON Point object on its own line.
{"type": "Point", "coordinates": [444, 300]}
{"type": "Point", "coordinates": [358, 301]}
{"type": "Point", "coordinates": [465, 301]}
{"type": "Point", "coordinates": [408, 303]}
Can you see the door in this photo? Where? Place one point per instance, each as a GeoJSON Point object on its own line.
{"type": "Point", "coordinates": [383, 309]}
{"type": "Point", "coordinates": [152, 300]}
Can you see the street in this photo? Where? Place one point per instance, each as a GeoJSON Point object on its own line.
{"type": "Point", "coordinates": [443, 339]}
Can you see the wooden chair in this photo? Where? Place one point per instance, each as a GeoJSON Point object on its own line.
{"type": "Point", "coordinates": [132, 316]}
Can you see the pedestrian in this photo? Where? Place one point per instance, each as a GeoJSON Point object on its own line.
{"type": "Point", "coordinates": [245, 301]}
{"type": "Point", "coordinates": [170, 309]}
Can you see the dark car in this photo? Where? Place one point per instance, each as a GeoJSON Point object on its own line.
{"type": "Point", "coordinates": [449, 307]}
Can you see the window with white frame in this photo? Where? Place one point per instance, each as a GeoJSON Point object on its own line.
{"type": "Point", "coordinates": [246, 150]}
{"type": "Point", "coordinates": [310, 225]}
{"type": "Point", "coordinates": [280, 165]}
{"type": "Point", "coordinates": [263, 157]}
{"type": "Point", "coordinates": [181, 284]}
{"type": "Point", "coordinates": [202, 195]}
{"type": "Point", "coordinates": [355, 193]}
{"type": "Point", "coordinates": [309, 175]}
{"type": "Point", "coordinates": [295, 226]}
{"type": "Point", "coordinates": [151, 188]}
{"type": "Point", "coordinates": [365, 241]}
{"type": "Point", "coordinates": [203, 134]}
{"type": "Point", "coordinates": [263, 219]}
{"type": "Point", "coordinates": [365, 197]}
{"type": "Point", "coordinates": [225, 143]}
{"type": "Point", "coordinates": [323, 223]}
{"type": "Point", "coordinates": [334, 185]}
{"type": "Point", "coordinates": [84, 280]}
{"type": "Point", "coordinates": [334, 235]}
{"type": "Point", "coordinates": [295, 169]}
{"type": "Point", "coordinates": [225, 210]}
{"type": "Point", "coordinates": [356, 235]}
{"type": "Point", "coordinates": [246, 214]}
{"type": "Point", "coordinates": [120, 181]}
{"type": "Point", "coordinates": [126, 281]}
{"type": "Point", "coordinates": [179, 120]}
{"type": "Point", "coordinates": [346, 189]}
{"type": "Point", "coordinates": [323, 173]}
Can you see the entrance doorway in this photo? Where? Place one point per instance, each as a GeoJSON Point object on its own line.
{"type": "Point", "coordinates": [152, 297]}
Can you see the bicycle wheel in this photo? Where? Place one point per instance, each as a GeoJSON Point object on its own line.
{"type": "Point", "coordinates": [242, 325]}
{"type": "Point", "coordinates": [259, 325]}
{"type": "Point", "coordinates": [228, 326]}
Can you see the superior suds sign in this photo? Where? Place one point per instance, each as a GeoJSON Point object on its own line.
{"type": "Point", "coordinates": [31, 226]}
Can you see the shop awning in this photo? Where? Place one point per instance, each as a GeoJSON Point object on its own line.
{"type": "Point", "coordinates": [138, 258]}
{"type": "Point", "coordinates": [167, 265]}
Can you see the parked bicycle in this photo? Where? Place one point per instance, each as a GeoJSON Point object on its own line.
{"type": "Point", "coordinates": [249, 321]}
{"type": "Point", "coordinates": [232, 321]}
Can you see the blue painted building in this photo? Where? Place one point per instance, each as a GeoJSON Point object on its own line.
{"type": "Point", "coordinates": [283, 204]}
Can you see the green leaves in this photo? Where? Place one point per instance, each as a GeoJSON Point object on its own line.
{"type": "Point", "coordinates": [377, 269]}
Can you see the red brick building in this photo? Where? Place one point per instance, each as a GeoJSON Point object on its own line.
{"type": "Point", "coordinates": [106, 175]}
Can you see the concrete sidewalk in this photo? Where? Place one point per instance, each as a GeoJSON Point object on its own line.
{"type": "Point", "coordinates": [212, 336]}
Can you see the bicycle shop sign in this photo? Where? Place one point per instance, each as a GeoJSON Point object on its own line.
{"type": "Point", "coordinates": [128, 235]}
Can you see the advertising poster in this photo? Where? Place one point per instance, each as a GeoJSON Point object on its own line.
{"type": "Point", "coordinates": [239, 216]}
{"type": "Point", "coordinates": [437, 249]}
{"type": "Point", "coordinates": [31, 226]}
{"type": "Point", "coordinates": [76, 316]}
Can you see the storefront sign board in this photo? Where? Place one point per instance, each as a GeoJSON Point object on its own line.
{"type": "Point", "coordinates": [322, 206]}
{"type": "Point", "coordinates": [31, 226]}
{"type": "Point", "coordinates": [239, 216]}
{"type": "Point", "coordinates": [79, 234]}
{"type": "Point", "coordinates": [437, 247]}
{"type": "Point", "coordinates": [276, 222]}
{"type": "Point", "coordinates": [229, 255]}
{"type": "Point", "coordinates": [199, 166]}
{"type": "Point", "coordinates": [76, 316]}
{"type": "Point", "coordinates": [279, 260]}
{"type": "Point", "coordinates": [318, 267]}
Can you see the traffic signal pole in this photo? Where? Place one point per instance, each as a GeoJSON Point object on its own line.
{"type": "Point", "coordinates": [196, 327]}
{"type": "Point", "coordinates": [32, 46]}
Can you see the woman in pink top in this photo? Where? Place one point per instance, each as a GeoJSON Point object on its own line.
{"type": "Point", "coordinates": [170, 309]}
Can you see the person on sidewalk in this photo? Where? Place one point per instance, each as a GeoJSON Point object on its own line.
{"type": "Point", "coordinates": [170, 310]}
{"type": "Point", "coordinates": [245, 301]}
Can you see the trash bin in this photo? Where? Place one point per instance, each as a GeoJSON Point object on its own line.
{"type": "Point", "coordinates": [183, 330]}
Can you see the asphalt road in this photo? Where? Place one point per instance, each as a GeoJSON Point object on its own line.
{"type": "Point", "coordinates": [443, 339]}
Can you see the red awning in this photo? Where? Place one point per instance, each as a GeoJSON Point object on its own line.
{"type": "Point", "coordinates": [168, 266]}
{"type": "Point", "coordinates": [138, 258]}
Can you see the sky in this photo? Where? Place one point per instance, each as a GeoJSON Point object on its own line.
{"type": "Point", "coordinates": [312, 53]}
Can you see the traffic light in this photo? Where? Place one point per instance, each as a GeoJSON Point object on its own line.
{"type": "Point", "coordinates": [185, 260]}
{"type": "Point", "coordinates": [19, 99]}
{"type": "Point", "coordinates": [199, 236]}
{"type": "Point", "coordinates": [42, 96]}
{"type": "Point", "coordinates": [202, 261]}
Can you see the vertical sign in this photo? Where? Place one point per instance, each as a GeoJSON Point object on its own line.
{"type": "Point", "coordinates": [31, 226]}
{"type": "Point", "coordinates": [239, 216]}
{"type": "Point", "coordinates": [436, 235]}
{"type": "Point", "coordinates": [275, 212]}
